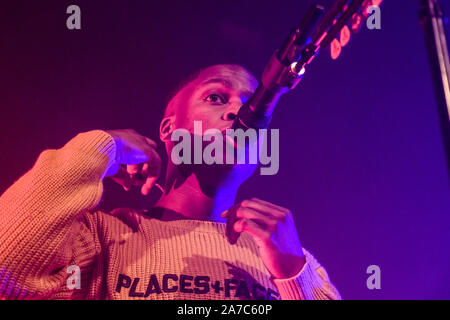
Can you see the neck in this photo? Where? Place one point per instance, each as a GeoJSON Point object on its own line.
{"type": "Point", "coordinates": [185, 196]}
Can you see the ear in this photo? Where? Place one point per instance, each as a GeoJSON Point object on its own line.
{"type": "Point", "coordinates": [166, 128]}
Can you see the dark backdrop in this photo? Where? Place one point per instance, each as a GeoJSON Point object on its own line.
{"type": "Point", "coordinates": [362, 163]}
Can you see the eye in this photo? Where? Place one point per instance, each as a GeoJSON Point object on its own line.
{"type": "Point", "coordinates": [215, 99]}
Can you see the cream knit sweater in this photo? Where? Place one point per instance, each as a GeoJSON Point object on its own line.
{"type": "Point", "coordinates": [52, 235]}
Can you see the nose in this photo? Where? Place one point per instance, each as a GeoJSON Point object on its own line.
{"type": "Point", "coordinates": [231, 113]}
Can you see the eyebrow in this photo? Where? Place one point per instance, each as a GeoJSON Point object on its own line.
{"type": "Point", "coordinates": [226, 83]}
{"type": "Point", "coordinates": [222, 81]}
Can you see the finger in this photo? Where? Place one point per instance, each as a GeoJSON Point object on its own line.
{"type": "Point", "coordinates": [152, 170]}
{"type": "Point", "coordinates": [260, 235]}
{"type": "Point", "coordinates": [154, 161]}
{"type": "Point", "coordinates": [137, 180]}
{"type": "Point", "coordinates": [122, 177]}
{"type": "Point", "coordinates": [144, 170]}
{"type": "Point", "coordinates": [142, 174]}
{"type": "Point", "coordinates": [148, 185]}
{"type": "Point", "coordinates": [225, 213]}
{"type": "Point", "coordinates": [266, 208]}
{"type": "Point", "coordinates": [136, 174]}
{"type": "Point", "coordinates": [269, 204]}
{"type": "Point", "coordinates": [231, 235]}
{"type": "Point", "coordinates": [265, 221]}
{"type": "Point", "coordinates": [149, 180]}
{"type": "Point", "coordinates": [133, 169]}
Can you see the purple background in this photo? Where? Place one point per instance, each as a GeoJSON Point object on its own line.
{"type": "Point", "coordinates": [362, 163]}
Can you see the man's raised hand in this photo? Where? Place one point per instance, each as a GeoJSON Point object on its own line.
{"type": "Point", "coordinates": [273, 229]}
{"type": "Point", "coordinates": [137, 162]}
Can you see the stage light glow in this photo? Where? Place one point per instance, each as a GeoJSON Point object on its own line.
{"type": "Point", "coordinates": [344, 36]}
{"type": "Point", "coordinates": [335, 49]}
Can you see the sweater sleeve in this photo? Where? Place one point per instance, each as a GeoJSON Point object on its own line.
{"type": "Point", "coordinates": [41, 216]}
{"type": "Point", "coordinates": [311, 283]}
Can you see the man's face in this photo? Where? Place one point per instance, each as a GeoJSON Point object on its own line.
{"type": "Point", "coordinates": [214, 98]}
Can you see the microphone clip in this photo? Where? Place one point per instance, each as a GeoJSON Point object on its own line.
{"type": "Point", "coordinates": [285, 68]}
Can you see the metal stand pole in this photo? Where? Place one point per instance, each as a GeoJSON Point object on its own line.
{"type": "Point", "coordinates": [431, 19]}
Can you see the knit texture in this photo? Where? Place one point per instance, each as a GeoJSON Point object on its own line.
{"type": "Point", "coordinates": [49, 226]}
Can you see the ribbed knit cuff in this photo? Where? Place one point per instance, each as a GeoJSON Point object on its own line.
{"type": "Point", "coordinates": [305, 285]}
{"type": "Point", "coordinates": [97, 144]}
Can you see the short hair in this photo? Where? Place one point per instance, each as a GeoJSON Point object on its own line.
{"type": "Point", "coordinates": [170, 107]}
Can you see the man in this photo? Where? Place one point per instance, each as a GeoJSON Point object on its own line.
{"type": "Point", "coordinates": [196, 243]}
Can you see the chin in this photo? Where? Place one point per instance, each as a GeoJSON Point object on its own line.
{"type": "Point", "coordinates": [216, 175]}
{"type": "Point", "coordinates": [223, 175]}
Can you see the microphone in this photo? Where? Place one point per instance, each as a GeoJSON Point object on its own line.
{"type": "Point", "coordinates": [282, 73]}
{"type": "Point", "coordinates": [287, 65]}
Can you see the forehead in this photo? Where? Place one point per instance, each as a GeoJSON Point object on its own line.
{"type": "Point", "coordinates": [232, 78]}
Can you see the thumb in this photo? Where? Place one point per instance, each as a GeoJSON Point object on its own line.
{"type": "Point", "coordinates": [123, 178]}
{"type": "Point", "coordinates": [149, 183]}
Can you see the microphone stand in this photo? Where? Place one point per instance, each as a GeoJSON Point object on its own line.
{"type": "Point", "coordinates": [431, 18]}
{"type": "Point", "coordinates": [287, 65]}
{"type": "Point", "coordinates": [278, 75]}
